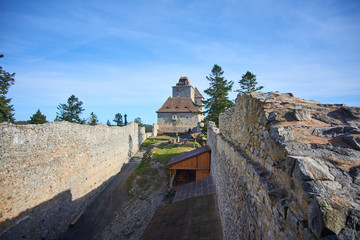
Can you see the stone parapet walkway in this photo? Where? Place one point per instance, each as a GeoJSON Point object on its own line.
{"type": "Point", "coordinates": [193, 218]}
{"type": "Point", "coordinates": [192, 215]}
{"type": "Point", "coordinates": [195, 189]}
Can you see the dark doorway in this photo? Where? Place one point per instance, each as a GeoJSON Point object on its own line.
{"type": "Point", "coordinates": [184, 176]}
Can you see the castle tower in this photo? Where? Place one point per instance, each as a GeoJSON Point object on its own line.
{"type": "Point", "coordinates": [183, 89]}
{"type": "Point", "coordinates": [183, 112]}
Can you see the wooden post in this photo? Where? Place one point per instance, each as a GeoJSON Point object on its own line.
{"type": "Point", "coordinates": [170, 177]}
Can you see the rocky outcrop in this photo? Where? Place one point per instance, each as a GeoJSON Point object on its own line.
{"type": "Point", "coordinates": [287, 168]}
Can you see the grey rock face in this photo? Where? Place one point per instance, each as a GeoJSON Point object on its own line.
{"type": "Point", "coordinates": [302, 114]}
{"type": "Point", "coordinates": [306, 169]}
{"type": "Point", "coordinates": [353, 141]}
{"type": "Point", "coordinates": [288, 166]}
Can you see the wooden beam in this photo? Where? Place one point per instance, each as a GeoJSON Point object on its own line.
{"type": "Point", "coordinates": [170, 177]}
{"type": "Point", "coordinates": [76, 219]}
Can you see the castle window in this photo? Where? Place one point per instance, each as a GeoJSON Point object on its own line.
{"type": "Point", "coordinates": [174, 117]}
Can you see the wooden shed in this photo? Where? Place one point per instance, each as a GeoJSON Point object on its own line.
{"type": "Point", "coordinates": [190, 166]}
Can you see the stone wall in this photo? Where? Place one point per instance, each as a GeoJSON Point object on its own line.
{"type": "Point", "coordinates": [183, 91]}
{"type": "Point", "coordinates": [287, 168]}
{"type": "Point", "coordinates": [155, 130]}
{"type": "Point", "coordinates": [181, 123]}
{"type": "Point", "coordinates": [49, 173]}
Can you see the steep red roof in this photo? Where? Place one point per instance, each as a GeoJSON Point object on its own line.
{"type": "Point", "coordinates": [178, 105]}
{"type": "Point", "coordinates": [188, 155]}
{"type": "Point", "coordinates": [198, 94]}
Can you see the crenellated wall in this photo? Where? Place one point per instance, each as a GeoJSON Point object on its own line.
{"type": "Point", "coordinates": [50, 172]}
{"type": "Point", "coordinates": [287, 168]}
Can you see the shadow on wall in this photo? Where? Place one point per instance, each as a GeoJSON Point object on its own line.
{"type": "Point", "coordinates": [50, 219]}
{"type": "Point", "coordinates": [130, 145]}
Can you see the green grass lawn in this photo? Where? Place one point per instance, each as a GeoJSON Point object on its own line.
{"type": "Point", "coordinates": [162, 137]}
{"type": "Point", "coordinates": [148, 142]}
{"type": "Point", "coordinates": [163, 155]}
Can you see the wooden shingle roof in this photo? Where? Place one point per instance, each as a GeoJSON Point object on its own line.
{"type": "Point", "coordinates": [178, 105]}
{"type": "Point", "coordinates": [188, 155]}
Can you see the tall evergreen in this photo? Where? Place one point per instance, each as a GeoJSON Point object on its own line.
{"type": "Point", "coordinates": [93, 120]}
{"type": "Point", "coordinates": [139, 121]}
{"type": "Point", "coordinates": [125, 119]}
{"type": "Point", "coordinates": [248, 83]}
{"type": "Point", "coordinates": [118, 119]}
{"type": "Point", "coordinates": [38, 118]}
{"type": "Point", "coordinates": [71, 111]}
{"type": "Point", "coordinates": [218, 91]}
{"type": "Point", "coordinates": [6, 109]}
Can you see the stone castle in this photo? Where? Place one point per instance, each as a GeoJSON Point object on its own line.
{"type": "Point", "coordinates": [184, 111]}
{"type": "Point", "coordinates": [283, 167]}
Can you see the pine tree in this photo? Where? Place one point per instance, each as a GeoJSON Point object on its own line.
{"type": "Point", "coordinates": [71, 111]}
{"type": "Point", "coordinates": [6, 109]}
{"type": "Point", "coordinates": [139, 121]}
{"type": "Point", "coordinates": [118, 119]}
{"type": "Point", "coordinates": [93, 120]}
{"type": "Point", "coordinates": [108, 123]}
{"type": "Point", "coordinates": [248, 83]}
{"type": "Point", "coordinates": [38, 118]}
{"type": "Point", "coordinates": [218, 91]}
{"type": "Point", "coordinates": [125, 121]}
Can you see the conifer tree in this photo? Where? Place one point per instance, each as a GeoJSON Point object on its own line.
{"type": "Point", "coordinates": [218, 91]}
{"type": "Point", "coordinates": [93, 120]}
{"type": "Point", "coordinates": [108, 123]}
{"type": "Point", "coordinates": [118, 119]}
{"type": "Point", "coordinates": [6, 109]}
{"type": "Point", "coordinates": [139, 121]}
{"type": "Point", "coordinates": [71, 111]}
{"type": "Point", "coordinates": [38, 118]}
{"type": "Point", "coordinates": [248, 83]}
{"type": "Point", "coordinates": [125, 121]}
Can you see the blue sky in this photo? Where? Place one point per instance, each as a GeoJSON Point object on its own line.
{"type": "Point", "coordinates": [124, 56]}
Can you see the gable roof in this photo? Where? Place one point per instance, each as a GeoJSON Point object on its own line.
{"type": "Point", "coordinates": [188, 155]}
{"type": "Point", "coordinates": [178, 105]}
{"type": "Point", "coordinates": [198, 94]}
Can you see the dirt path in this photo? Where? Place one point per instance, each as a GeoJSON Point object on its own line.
{"type": "Point", "coordinates": [102, 211]}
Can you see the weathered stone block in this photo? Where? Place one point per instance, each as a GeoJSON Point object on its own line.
{"type": "Point", "coordinates": [306, 168]}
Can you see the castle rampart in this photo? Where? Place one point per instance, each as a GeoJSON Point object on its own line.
{"type": "Point", "coordinates": [287, 168]}
{"type": "Point", "coordinates": [50, 172]}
